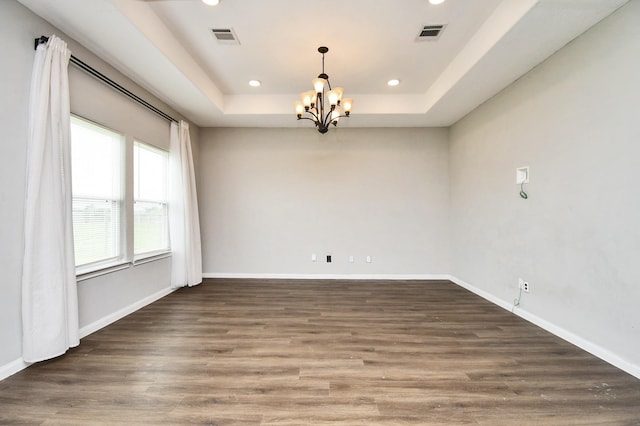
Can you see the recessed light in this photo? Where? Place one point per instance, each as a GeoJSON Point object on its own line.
{"type": "Point", "coordinates": [393, 82]}
{"type": "Point", "coordinates": [254, 83]}
{"type": "Point", "coordinates": [211, 2]}
{"type": "Point", "coordinates": [436, 1]}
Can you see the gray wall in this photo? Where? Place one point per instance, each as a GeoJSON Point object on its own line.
{"type": "Point", "coordinates": [575, 121]}
{"type": "Point", "coordinates": [269, 198]}
{"type": "Point", "coordinates": [104, 298]}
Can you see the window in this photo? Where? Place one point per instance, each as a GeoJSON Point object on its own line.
{"type": "Point", "coordinates": [115, 180]}
{"type": "Point", "coordinates": [97, 193]}
{"type": "Point", "coordinates": [151, 223]}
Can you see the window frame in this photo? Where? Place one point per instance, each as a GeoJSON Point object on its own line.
{"type": "Point", "coordinates": [163, 252]}
{"type": "Point", "coordinates": [126, 257]}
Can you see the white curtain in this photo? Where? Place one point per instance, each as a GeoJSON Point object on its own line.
{"type": "Point", "coordinates": [184, 222]}
{"type": "Point", "coordinates": [49, 292]}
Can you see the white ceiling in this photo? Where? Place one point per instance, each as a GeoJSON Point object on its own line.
{"type": "Point", "coordinates": [166, 46]}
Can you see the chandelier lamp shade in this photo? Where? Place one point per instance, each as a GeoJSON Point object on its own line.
{"type": "Point", "coordinates": [323, 104]}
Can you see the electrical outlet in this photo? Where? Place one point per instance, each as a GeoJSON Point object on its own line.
{"type": "Point", "coordinates": [523, 285]}
{"type": "Point", "coordinates": [328, 258]}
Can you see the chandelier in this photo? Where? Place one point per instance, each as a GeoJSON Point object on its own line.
{"type": "Point", "coordinates": [313, 102]}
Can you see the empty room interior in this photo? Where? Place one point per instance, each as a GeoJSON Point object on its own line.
{"type": "Point", "coordinates": [443, 228]}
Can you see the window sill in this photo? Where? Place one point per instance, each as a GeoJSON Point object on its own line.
{"type": "Point", "coordinates": [151, 257]}
{"type": "Point", "coordinates": [96, 271]}
{"type": "Point", "coordinates": [103, 270]}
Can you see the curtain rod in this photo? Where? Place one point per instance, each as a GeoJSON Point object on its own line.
{"type": "Point", "coordinates": [97, 74]}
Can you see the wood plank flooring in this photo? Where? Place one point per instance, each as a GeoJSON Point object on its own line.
{"type": "Point", "coordinates": [270, 352]}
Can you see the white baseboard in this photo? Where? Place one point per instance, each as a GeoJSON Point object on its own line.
{"type": "Point", "coordinates": [111, 318]}
{"type": "Point", "coordinates": [18, 365]}
{"type": "Point", "coordinates": [564, 334]}
{"type": "Point", "coordinates": [485, 295]}
{"type": "Point", "coordinates": [398, 277]}
{"type": "Point", "coordinates": [12, 368]}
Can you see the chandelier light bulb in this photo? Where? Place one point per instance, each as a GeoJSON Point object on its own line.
{"type": "Point", "coordinates": [307, 98]}
{"type": "Point", "coordinates": [318, 84]}
{"type": "Point", "coordinates": [333, 98]}
{"type": "Point", "coordinates": [347, 104]}
{"type": "Point", "coordinates": [339, 91]}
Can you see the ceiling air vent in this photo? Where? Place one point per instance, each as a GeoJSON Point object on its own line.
{"type": "Point", "coordinates": [225, 35]}
{"type": "Point", "coordinates": [431, 32]}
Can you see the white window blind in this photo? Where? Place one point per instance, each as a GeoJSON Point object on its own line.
{"type": "Point", "coordinates": [151, 224]}
{"type": "Point", "coordinates": [97, 193]}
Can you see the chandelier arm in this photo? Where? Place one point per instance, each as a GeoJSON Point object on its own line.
{"type": "Point", "coordinates": [327, 119]}
{"type": "Point", "coordinates": [307, 118]}
{"type": "Point", "coordinates": [318, 115]}
{"type": "Point", "coordinates": [315, 117]}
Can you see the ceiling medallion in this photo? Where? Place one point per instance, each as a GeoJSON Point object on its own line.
{"type": "Point", "coordinates": [313, 102]}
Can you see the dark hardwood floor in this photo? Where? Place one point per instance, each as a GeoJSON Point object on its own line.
{"type": "Point", "coordinates": [263, 352]}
